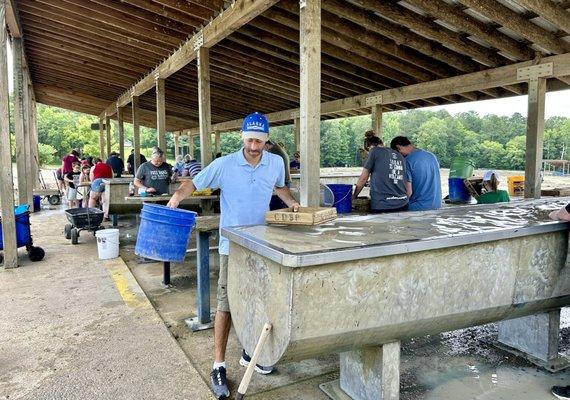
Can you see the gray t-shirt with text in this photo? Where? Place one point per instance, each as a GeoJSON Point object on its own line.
{"type": "Point", "coordinates": [387, 181]}
{"type": "Point", "coordinates": [155, 177]}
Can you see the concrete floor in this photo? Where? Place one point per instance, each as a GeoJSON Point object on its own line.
{"type": "Point", "coordinates": [74, 327]}
{"type": "Point", "coordinates": [85, 329]}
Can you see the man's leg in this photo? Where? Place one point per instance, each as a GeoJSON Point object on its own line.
{"type": "Point", "coordinates": [222, 325]}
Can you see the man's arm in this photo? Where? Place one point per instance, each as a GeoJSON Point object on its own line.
{"type": "Point", "coordinates": [285, 194]}
{"type": "Point", "coordinates": [409, 189]}
{"type": "Point", "coordinates": [185, 190]}
{"type": "Point", "coordinates": [361, 182]}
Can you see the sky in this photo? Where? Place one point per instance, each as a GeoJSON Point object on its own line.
{"type": "Point", "coordinates": [557, 103]}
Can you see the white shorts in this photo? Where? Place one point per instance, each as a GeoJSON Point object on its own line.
{"type": "Point", "coordinates": [71, 194]}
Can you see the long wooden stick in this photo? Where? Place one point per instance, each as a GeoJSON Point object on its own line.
{"type": "Point", "coordinates": [249, 371]}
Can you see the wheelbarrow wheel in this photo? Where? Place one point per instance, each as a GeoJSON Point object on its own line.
{"type": "Point", "coordinates": [36, 253]}
{"type": "Point", "coordinates": [54, 200]}
{"type": "Point", "coordinates": [74, 236]}
{"type": "Point", "coordinates": [67, 231]}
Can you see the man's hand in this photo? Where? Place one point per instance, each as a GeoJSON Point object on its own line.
{"type": "Point", "coordinates": [150, 190]}
{"type": "Point", "coordinates": [174, 202]}
{"type": "Point", "coordinates": [295, 206]}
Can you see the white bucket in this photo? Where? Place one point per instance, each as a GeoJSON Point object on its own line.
{"type": "Point", "coordinates": [107, 243]}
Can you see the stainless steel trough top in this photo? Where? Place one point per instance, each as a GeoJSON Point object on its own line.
{"type": "Point", "coordinates": [368, 280]}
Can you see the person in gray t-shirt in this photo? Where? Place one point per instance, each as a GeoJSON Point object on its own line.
{"type": "Point", "coordinates": [154, 176]}
{"type": "Point", "coordinates": [280, 151]}
{"type": "Point", "coordinates": [387, 171]}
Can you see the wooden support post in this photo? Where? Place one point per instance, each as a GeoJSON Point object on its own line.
{"type": "Point", "coordinates": [310, 62]}
{"type": "Point", "coordinates": [136, 133]}
{"type": "Point", "coordinates": [218, 142]}
{"type": "Point", "coordinates": [161, 113]}
{"type": "Point", "coordinates": [30, 177]}
{"type": "Point", "coordinates": [191, 146]}
{"type": "Point", "coordinates": [204, 105]}
{"type": "Point", "coordinates": [176, 145]}
{"type": "Point", "coordinates": [108, 129]}
{"type": "Point", "coordinates": [534, 137]}
{"type": "Point", "coordinates": [121, 129]}
{"type": "Point", "coordinates": [6, 178]}
{"type": "Point", "coordinates": [297, 133]}
{"type": "Point", "coordinates": [20, 122]}
{"type": "Point", "coordinates": [377, 119]}
{"type": "Point", "coordinates": [33, 128]}
{"type": "Point", "coordinates": [101, 139]}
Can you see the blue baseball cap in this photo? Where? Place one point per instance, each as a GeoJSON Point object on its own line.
{"type": "Point", "coordinates": [255, 126]}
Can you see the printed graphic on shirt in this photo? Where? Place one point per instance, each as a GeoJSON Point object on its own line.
{"type": "Point", "coordinates": [396, 172]}
{"type": "Point", "coordinates": [158, 174]}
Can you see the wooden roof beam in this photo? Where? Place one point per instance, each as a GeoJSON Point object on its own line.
{"type": "Point", "coordinates": [550, 11]}
{"type": "Point", "coordinates": [231, 19]}
{"type": "Point", "coordinates": [12, 20]}
{"type": "Point", "coordinates": [456, 17]}
{"type": "Point", "coordinates": [476, 81]}
{"type": "Point", "coordinates": [509, 19]}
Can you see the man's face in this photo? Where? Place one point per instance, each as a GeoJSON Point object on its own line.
{"type": "Point", "coordinates": [156, 161]}
{"type": "Point", "coordinates": [403, 150]}
{"type": "Point", "coordinates": [253, 147]}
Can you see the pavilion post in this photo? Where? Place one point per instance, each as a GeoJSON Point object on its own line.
{"type": "Point", "coordinates": [191, 146]}
{"type": "Point", "coordinates": [176, 144]}
{"type": "Point", "coordinates": [161, 113]}
{"type": "Point", "coordinates": [297, 133]}
{"type": "Point", "coordinates": [101, 139]}
{"type": "Point", "coordinates": [136, 133]}
{"type": "Point", "coordinates": [310, 97]}
{"type": "Point", "coordinates": [377, 120]}
{"type": "Point", "coordinates": [534, 137]}
{"type": "Point", "coordinates": [121, 129]}
{"type": "Point", "coordinates": [218, 142]}
{"type": "Point", "coordinates": [108, 129]}
{"type": "Point", "coordinates": [21, 133]}
{"type": "Point", "coordinates": [204, 106]}
{"type": "Point", "coordinates": [33, 128]}
{"type": "Point", "coordinates": [6, 177]}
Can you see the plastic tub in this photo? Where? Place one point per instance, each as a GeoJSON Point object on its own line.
{"type": "Point", "coordinates": [23, 237]}
{"type": "Point", "coordinates": [461, 167]}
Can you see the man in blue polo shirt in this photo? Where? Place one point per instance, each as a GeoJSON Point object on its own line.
{"type": "Point", "coordinates": [422, 173]}
{"type": "Point", "coordinates": [247, 179]}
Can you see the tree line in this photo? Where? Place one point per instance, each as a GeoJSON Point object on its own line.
{"type": "Point", "coordinates": [491, 141]}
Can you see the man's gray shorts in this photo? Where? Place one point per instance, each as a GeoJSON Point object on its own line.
{"type": "Point", "coordinates": [223, 304]}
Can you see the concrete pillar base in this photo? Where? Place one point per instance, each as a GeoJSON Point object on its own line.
{"type": "Point", "coordinates": [535, 338]}
{"type": "Point", "coordinates": [368, 373]}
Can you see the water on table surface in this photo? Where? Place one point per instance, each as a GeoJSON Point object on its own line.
{"type": "Point", "coordinates": [366, 230]}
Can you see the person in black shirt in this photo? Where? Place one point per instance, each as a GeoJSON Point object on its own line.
{"type": "Point", "coordinates": [131, 162]}
{"type": "Point", "coordinates": [72, 179]}
{"type": "Point", "coordinates": [116, 164]}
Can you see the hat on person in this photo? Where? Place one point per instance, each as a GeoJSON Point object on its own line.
{"type": "Point", "coordinates": [255, 126]}
{"type": "Point", "coordinates": [489, 175]}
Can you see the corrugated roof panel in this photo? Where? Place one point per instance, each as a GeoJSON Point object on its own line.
{"type": "Point", "coordinates": [507, 55]}
{"type": "Point", "coordinates": [447, 25]}
{"type": "Point", "coordinates": [412, 8]}
{"type": "Point", "coordinates": [480, 41]}
{"type": "Point", "coordinates": [541, 49]}
{"type": "Point", "coordinates": [513, 6]}
{"type": "Point", "coordinates": [510, 33]}
{"type": "Point", "coordinates": [478, 16]}
{"type": "Point", "coordinates": [544, 24]}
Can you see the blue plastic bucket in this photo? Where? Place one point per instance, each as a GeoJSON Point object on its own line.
{"type": "Point", "coordinates": [458, 193]}
{"type": "Point", "coordinates": [342, 197]}
{"type": "Point", "coordinates": [22, 227]}
{"type": "Point", "coordinates": [164, 232]}
{"type": "Point", "coordinates": [37, 203]}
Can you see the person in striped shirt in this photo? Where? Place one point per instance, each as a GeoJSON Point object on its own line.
{"type": "Point", "coordinates": [191, 167]}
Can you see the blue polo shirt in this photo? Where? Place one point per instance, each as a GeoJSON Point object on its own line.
{"type": "Point", "coordinates": [423, 172]}
{"type": "Point", "coordinates": [246, 190]}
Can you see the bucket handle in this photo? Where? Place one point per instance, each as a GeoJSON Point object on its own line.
{"type": "Point", "coordinates": [345, 196]}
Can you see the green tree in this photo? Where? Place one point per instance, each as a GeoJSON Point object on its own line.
{"type": "Point", "coordinates": [515, 152]}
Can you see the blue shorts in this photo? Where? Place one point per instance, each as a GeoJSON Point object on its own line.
{"type": "Point", "coordinates": [98, 186]}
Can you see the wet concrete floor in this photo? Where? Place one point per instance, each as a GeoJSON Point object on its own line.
{"type": "Point", "coordinates": [452, 365]}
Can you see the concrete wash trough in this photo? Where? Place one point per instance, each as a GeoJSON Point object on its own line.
{"type": "Point", "coordinates": [360, 284]}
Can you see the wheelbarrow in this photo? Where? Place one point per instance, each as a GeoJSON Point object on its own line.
{"type": "Point", "coordinates": [23, 234]}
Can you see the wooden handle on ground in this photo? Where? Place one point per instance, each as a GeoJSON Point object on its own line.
{"type": "Point", "coordinates": [249, 371]}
